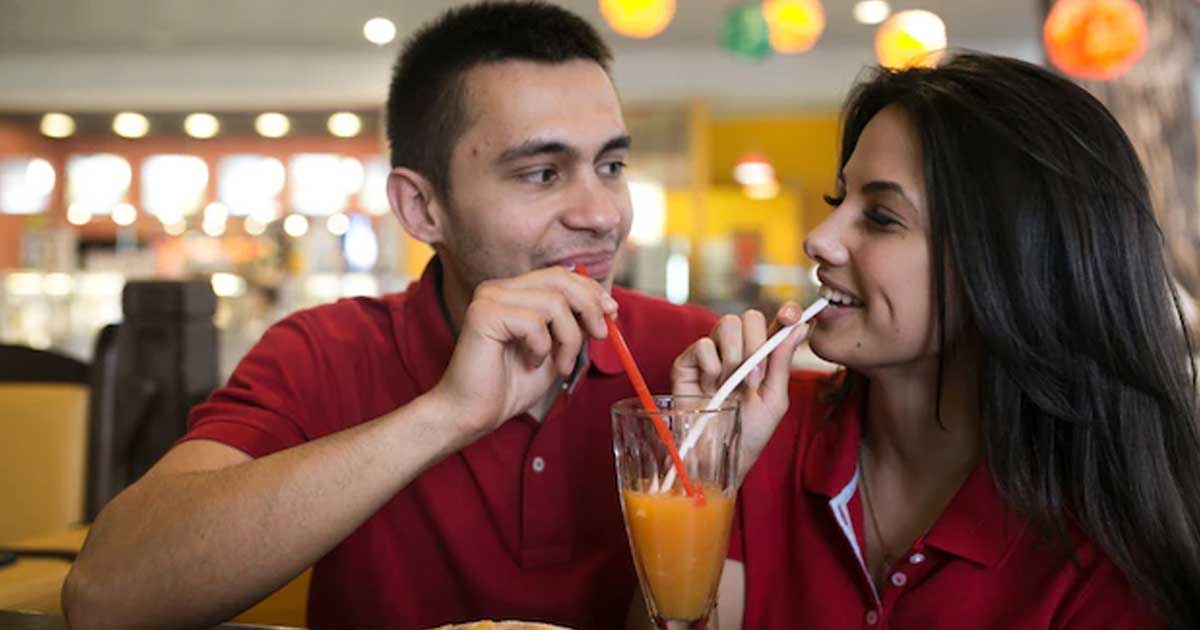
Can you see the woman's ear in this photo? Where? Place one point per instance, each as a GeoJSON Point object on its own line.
{"type": "Point", "coordinates": [415, 205]}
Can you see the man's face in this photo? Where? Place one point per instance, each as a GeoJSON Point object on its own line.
{"type": "Point", "coordinates": [536, 179]}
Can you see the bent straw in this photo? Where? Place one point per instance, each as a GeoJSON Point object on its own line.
{"type": "Point", "coordinates": [643, 393]}
{"type": "Point", "coordinates": [735, 379]}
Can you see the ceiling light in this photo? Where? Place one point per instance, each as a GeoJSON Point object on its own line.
{"type": "Point", "coordinates": [638, 18]}
{"type": "Point", "coordinates": [379, 31]}
{"type": "Point", "coordinates": [337, 224]}
{"type": "Point", "coordinates": [272, 125]}
{"type": "Point", "coordinates": [871, 12]}
{"type": "Point", "coordinates": [130, 125]}
{"type": "Point", "coordinates": [124, 213]}
{"type": "Point", "coordinates": [57, 125]}
{"type": "Point", "coordinates": [175, 228]}
{"type": "Point", "coordinates": [794, 26]}
{"type": "Point", "coordinates": [295, 225]}
{"type": "Point", "coordinates": [78, 214]}
{"type": "Point", "coordinates": [253, 226]}
{"type": "Point", "coordinates": [201, 125]}
{"type": "Point", "coordinates": [765, 190]}
{"type": "Point", "coordinates": [910, 38]}
{"type": "Point", "coordinates": [753, 169]}
{"type": "Point", "coordinates": [344, 124]}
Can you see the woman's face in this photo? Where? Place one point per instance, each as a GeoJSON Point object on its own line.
{"type": "Point", "coordinates": [874, 255]}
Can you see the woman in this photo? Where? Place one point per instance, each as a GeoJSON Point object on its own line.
{"type": "Point", "coordinates": [1012, 443]}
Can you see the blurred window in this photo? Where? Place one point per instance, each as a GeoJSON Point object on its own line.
{"type": "Point", "coordinates": [322, 183]}
{"type": "Point", "coordinates": [249, 185]}
{"type": "Point", "coordinates": [26, 185]}
{"type": "Point", "coordinates": [97, 183]}
{"type": "Point", "coordinates": [373, 196]}
{"type": "Point", "coordinates": [173, 186]}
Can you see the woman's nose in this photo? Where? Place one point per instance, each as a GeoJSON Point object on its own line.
{"type": "Point", "coordinates": [824, 244]}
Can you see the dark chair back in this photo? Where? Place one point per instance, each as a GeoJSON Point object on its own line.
{"type": "Point", "coordinates": [148, 372]}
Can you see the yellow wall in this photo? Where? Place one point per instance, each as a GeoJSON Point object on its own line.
{"type": "Point", "coordinates": [802, 148]}
{"type": "Point", "coordinates": [778, 221]}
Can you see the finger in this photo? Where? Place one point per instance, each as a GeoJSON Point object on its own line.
{"type": "Point", "coordinates": [521, 327]}
{"type": "Point", "coordinates": [556, 312]}
{"type": "Point", "coordinates": [779, 366]}
{"type": "Point", "coordinates": [685, 373]}
{"type": "Point", "coordinates": [728, 338]}
{"type": "Point", "coordinates": [709, 362]}
{"type": "Point", "coordinates": [586, 296]}
{"type": "Point", "coordinates": [787, 314]}
{"type": "Point", "coordinates": [754, 334]}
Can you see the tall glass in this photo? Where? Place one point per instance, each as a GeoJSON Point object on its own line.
{"type": "Point", "coordinates": [678, 542]}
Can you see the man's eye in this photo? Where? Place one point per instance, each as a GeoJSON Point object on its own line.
{"type": "Point", "coordinates": [540, 176]}
{"type": "Point", "coordinates": [612, 168]}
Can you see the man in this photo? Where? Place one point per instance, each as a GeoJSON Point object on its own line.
{"type": "Point", "coordinates": [443, 454]}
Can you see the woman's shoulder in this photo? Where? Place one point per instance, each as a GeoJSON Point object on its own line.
{"type": "Point", "coordinates": [812, 402]}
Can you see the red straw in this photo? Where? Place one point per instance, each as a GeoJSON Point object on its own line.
{"type": "Point", "coordinates": [643, 392]}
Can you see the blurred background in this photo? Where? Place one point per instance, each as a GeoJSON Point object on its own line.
{"type": "Point", "coordinates": [242, 142]}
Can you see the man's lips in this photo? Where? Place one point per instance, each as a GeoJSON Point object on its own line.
{"type": "Point", "coordinates": [598, 265]}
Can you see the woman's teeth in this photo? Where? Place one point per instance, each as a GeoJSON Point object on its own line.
{"type": "Point", "coordinates": [838, 298]}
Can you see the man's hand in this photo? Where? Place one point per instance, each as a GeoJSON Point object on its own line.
{"type": "Point", "coordinates": [518, 336]}
{"type": "Point", "coordinates": [705, 365]}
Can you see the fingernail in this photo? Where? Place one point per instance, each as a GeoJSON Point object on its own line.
{"type": "Point", "coordinates": [789, 311]}
{"type": "Point", "coordinates": [608, 303]}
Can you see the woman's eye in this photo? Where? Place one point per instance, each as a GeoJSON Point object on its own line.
{"type": "Point", "coordinates": [879, 218]}
{"type": "Point", "coordinates": [833, 201]}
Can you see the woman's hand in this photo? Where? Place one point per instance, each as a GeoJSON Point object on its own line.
{"type": "Point", "coordinates": [705, 365]}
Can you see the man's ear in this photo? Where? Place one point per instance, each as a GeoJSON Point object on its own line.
{"type": "Point", "coordinates": [415, 205]}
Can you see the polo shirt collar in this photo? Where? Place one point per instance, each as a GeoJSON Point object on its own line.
{"type": "Point", "coordinates": [421, 322]}
{"type": "Point", "coordinates": [976, 525]}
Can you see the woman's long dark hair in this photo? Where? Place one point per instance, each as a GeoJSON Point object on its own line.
{"type": "Point", "coordinates": [1040, 210]}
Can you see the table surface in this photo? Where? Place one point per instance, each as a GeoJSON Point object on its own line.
{"type": "Point", "coordinates": [13, 620]}
{"type": "Point", "coordinates": [34, 583]}
{"type": "Point", "coordinates": [30, 587]}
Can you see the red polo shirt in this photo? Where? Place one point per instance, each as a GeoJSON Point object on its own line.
{"type": "Point", "coordinates": [799, 531]}
{"type": "Point", "coordinates": [522, 524]}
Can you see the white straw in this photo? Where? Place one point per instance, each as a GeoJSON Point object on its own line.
{"type": "Point", "coordinates": [736, 379]}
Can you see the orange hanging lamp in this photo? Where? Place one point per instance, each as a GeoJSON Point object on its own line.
{"type": "Point", "coordinates": [795, 25]}
{"type": "Point", "coordinates": [640, 19]}
{"type": "Point", "coordinates": [1095, 39]}
{"type": "Point", "coordinates": [910, 38]}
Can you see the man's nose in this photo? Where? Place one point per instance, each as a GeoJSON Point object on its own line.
{"type": "Point", "coordinates": [597, 207]}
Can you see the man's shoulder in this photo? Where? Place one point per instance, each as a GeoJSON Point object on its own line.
{"type": "Point", "coordinates": [348, 320]}
{"type": "Point", "coordinates": [640, 312]}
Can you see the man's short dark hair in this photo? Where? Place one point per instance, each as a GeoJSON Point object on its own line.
{"type": "Point", "coordinates": [426, 105]}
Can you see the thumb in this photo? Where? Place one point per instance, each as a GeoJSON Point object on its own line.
{"type": "Point", "coordinates": [779, 365]}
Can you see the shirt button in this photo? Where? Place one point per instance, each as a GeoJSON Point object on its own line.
{"type": "Point", "coordinates": [872, 617]}
{"type": "Point", "coordinates": [539, 464]}
{"type": "Point", "coordinates": [917, 558]}
{"type": "Point", "coordinates": [899, 579]}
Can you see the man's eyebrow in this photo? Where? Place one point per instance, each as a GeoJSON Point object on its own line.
{"type": "Point", "coordinates": [533, 148]}
{"type": "Point", "coordinates": [616, 144]}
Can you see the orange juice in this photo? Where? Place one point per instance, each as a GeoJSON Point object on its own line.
{"type": "Point", "coordinates": [680, 547]}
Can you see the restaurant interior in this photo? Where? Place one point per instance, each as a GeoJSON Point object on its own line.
{"type": "Point", "coordinates": [176, 177]}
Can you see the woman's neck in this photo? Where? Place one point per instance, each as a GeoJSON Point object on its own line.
{"type": "Point", "coordinates": [906, 431]}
